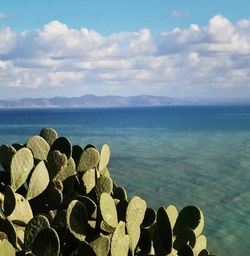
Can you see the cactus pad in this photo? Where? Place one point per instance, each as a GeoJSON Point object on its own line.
{"type": "Point", "coordinates": [89, 159]}
{"type": "Point", "coordinates": [46, 243]}
{"type": "Point", "coordinates": [162, 239]}
{"type": "Point", "coordinates": [108, 210]}
{"type": "Point", "coordinates": [39, 147]}
{"type": "Point", "coordinates": [63, 145]}
{"type": "Point", "coordinates": [56, 163]}
{"type": "Point", "coordinates": [103, 184]}
{"type": "Point", "coordinates": [9, 201]}
{"type": "Point", "coordinates": [77, 219]}
{"type": "Point", "coordinates": [6, 154]}
{"type": "Point", "coordinates": [6, 248]}
{"type": "Point", "coordinates": [35, 225]}
{"type": "Point", "coordinates": [120, 241]}
{"type": "Point", "coordinates": [189, 217]}
{"type": "Point", "coordinates": [104, 157]}
{"type": "Point", "coordinates": [39, 180]}
{"type": "Point", "coordinates": [101, 245]}
{"type": "Point", "coordinates": [49, 134]}
{"type": "Point", "coordinates": [22, 213]}
{"type": "Point", "coordinates": [21, 165]}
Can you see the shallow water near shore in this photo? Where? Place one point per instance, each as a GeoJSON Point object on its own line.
{"type": "Point", "coordinates": [167, 155]}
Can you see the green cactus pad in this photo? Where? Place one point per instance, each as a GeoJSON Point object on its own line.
{"type": "Point", "coordinates": [135, 211]}
{"type": "Point", "coordinates": [39, 180]}
{"type": "Point", "coordinates": [54, 197]}
{"type": "Point", "coordinates": [89, 204]}
{"type": "Point", "coordinates": [68, 171]}
{"type": "Point", "coordinates": [145, 241]}
{"type": "Point", "coordinates": [108, 210]}
{"type": "Point", "coordinates": [76, 153]}
{"type": "Point", "coordinates": [149, 218]}
{"type": "Point", "coordinates": [162, 239]}
{"type": "Point", "coordinates": [63, 145]}
{"type": "Point", "coordinates": [22, 213]}
{"type": "Point", "coordinates": [120, 193]}
{"type": "Point", "coordinates": [101, 245]}
{"type": "Point", "coordinates": [49, 134]}
{"type": "Point", "coordinates": [89, 159]}
{"type": "Point", "coordinates": [77, 219]}
{"type": "Point", "coordinates": [56, 163]}
{"type": "Point", "coordinates": [201, 244]}
{"type": "Point", "coordinates": [103, 184]}
{"type": "Point", "coordinates": [187, 236]}
{"type": "Point", "coordinates": [9, 201]}
{"type": "Point", "coordinates": [204, 252]}
{"type": "Point", "coordinates": [106, 228]}
{"type": "Point", "coordinates": [121, 208]}
{"type": "Point", "coordinates": [134, 217]}
{"type": "Point", "coordinates": [89, 180]}
{"type": "Point", "coordinates": [8, 228]}
{"type": "Point", "coordinates": [46, 243]}
{"type": "Point", "coordinates": [39, 147]}
{"type": "Point", "coordinates": [17, 146]}
{"type": "Point", "coordinates": [185, 250]}
{"type": "Point", "coordinates": [84, 248]}
{"type": "Point", "coordinates": [6, 154]}
{"type": "Point", "coordinates": [189, 217]}
{"type": "Point", "coordinates": [21, 164]}
{"type": "Point", "coordinates": [35, 225]}
{"type": "Point", "coordinates": [104, 157]}
{"type": "Point", "coordinates": [120, 241]}
{"type": "Point", "coordinates": [6, 248]}
{"type": "Point", "coordinates": [172, 214]}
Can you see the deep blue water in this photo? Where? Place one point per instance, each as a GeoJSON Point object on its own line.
{"type": "Point", "coordinates": [168, 155]}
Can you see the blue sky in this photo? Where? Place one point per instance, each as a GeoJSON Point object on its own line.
{"type": "Point", "coordinates": [181, 48]}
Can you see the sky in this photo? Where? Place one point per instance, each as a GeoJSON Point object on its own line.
{"type": "Point", "coordinates": [174, 48]}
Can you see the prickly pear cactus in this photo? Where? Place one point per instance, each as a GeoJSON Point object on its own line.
{"type": "Point", "coordinates": [22, 213]}
{"type": "Point", "coordinates": [21, 164]}
{"type": "Point", "coordinates": [6, 154]}
{"type": "Point", "coordinates": [34, 226]}
{"type": "Point", "coordinates": [6, 248]}
{"type": "Point", "coordinates": [46, 243]}
{"type": "Point", "coordinates": [9, 201]}
{"type": "Point", "coordinates": [101, 245]}
{"type": "Point", "coordinates": [134, 216]}
{"type": "Point", "coordinates": [89, 159]}
{"type": "Point", "coordinates": [40, 173]}
{"type": "Point", "coordinates": [162, 239]}
{"type": "Point", "coordinates": [39, 147]}
{"type": "Point", "coordinates": [60, 199]}
{"type": "Point", "coordinates": [103, 184]}
{"type": "Point", "coordinates": [108, 210]}
{"type": "Point", "coordinates": [120, 241]}
{"type": "Point", "coordinates": [104, 157]}
{"type": "Point", "coordinates": [56, 163]}
{"type": "Point", "coordinates": [49, 134]}
{"type": "Point", "coordinates": [77, 219]}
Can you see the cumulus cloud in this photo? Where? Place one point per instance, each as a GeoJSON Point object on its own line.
{"type": "Point", "coordinates": [209, 61]}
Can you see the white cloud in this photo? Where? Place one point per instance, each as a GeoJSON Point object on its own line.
{"type": "Point", "coordinates": [199, 60]}
{"type": "Point", "coordinates": [178, 14]}
{"type": "Point", "coordinates": [3, 16]}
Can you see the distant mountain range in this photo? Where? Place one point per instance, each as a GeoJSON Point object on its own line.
{"type": "Point", "coordinates": [92, 101]}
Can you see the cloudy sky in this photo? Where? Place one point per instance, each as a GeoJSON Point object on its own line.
{"type": "Point", "coordinates": [181, 48]}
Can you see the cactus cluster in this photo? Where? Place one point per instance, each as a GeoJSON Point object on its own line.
{"type": "Point", "coordinates": [59, 199]}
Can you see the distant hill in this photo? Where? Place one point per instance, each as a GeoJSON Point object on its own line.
{"type": "Point", "coordinates": [92, 101]}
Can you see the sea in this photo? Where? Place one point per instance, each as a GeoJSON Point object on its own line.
{"type": "Point", "coordinates": [180, 155]}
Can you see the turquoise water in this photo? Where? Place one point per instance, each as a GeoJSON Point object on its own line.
{"type": "Point", "coordinates": [170, 155]}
